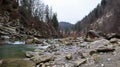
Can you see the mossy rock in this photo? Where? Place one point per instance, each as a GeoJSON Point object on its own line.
{"type": "Point", "coordinates": [92, 52]}
{"type": "Point", "coordinates": [17, 63]}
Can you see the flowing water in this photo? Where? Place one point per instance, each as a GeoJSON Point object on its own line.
{"type": "Point", "coordinates": [14, 49]}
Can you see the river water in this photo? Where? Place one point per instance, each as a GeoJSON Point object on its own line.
{"type": "Point", "coordinates": [14, 49]}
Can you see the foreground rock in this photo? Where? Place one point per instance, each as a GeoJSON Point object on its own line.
{"type": "Point", "coordinates": [70, 52]}
{"type": "Point", "coordinates": [99, 43]}
{"type": "Point", "coordinates": [17, 63]}
{"type": "Point", "coordinates": [114, 40]}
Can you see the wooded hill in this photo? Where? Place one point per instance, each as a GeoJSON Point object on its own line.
{"type": "Point", "coordinates": [104, 18]}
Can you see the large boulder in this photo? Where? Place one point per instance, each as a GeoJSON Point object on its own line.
{"type": "Point", "coordinates": [91, 35]}
{"type": "Point", "coordinates": [99, 43]}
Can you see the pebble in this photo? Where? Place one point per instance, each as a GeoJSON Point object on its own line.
{"type": "Point", "coordinates": [102, 65]}
{"type": "Point", "coordinates": [109, 59]}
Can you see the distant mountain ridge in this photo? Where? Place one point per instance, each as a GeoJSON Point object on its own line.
{"type": "Point", "coordinates": [65, 26]}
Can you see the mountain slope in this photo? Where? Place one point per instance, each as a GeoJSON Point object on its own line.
{"type": "Point", "coordinates": [104, 18]}
{"type": "Point", "coordinates": [65, 26]}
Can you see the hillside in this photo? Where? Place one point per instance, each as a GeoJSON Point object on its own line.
{"type": "Point", "coordinates": [104, 18]}
{"type": "Point", "coordinates": [18, 20]}
{"type": "Point", "coordinates": [65, 26]}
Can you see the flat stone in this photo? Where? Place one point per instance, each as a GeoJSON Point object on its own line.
{"type": "Point", "coordinates": [79, 62]}
{"type": "Point", "coordinates": [42, 58]}
{"type": "Point", "coordinates": [114, 40]}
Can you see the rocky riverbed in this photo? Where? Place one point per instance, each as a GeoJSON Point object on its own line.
{"type": "Point", "coordinates": [70, 52]}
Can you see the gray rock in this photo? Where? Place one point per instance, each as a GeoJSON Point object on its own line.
{"type": "Point", "coordinates": [99, 43]}
{"type": "Point", "coordinates": [33, 40]}
{"type": "Point", "coordinates": [69, 43]}
{"type": "Point", "coordinates": [1, 62]}
{"type": "Point", "coordinates": [38, 50]}
{"type": "Point", "coordinates": [30, 54]}
{"type": "Point", "coordinates": [37, 41]}
{"type": "Point", "coordinates": [68, 56]}
{"type": "Point", "coordinates": [43, 58]}
{"type": "Point", "coordinates": [114, 40]}
{"type": "Point", "coordinates": [4, 37]}
{"type": "Point", "coordinates": [57, 53]}
{"type": "Point", "coordinates": [29, 41]}
{"type": "Point", "coordinates": [91, 35]}
{"type": "Point", "coordinates": [79, 62]}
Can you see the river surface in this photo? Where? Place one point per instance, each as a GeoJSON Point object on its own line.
{"type": "Point", "coordinates": [14, 49]}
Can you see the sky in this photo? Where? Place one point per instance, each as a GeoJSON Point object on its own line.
{"type": "Point", "coordinates": [72, 10]}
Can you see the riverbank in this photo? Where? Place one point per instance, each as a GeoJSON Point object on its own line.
{"type": "Point", "coordinates": [75, 52]}
{"type": "Point", "coordinates": [72, 52]}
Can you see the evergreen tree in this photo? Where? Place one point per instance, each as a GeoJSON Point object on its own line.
{"type": "Point", "coordinates": [47, 19]}
{"type": "Point", "coordinates": [55, 22]}
{"type": "Point", "coordinates": [103, 3]}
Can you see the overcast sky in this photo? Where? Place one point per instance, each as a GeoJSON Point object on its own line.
{"type": "Point", "coordinates": [72, 10]}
